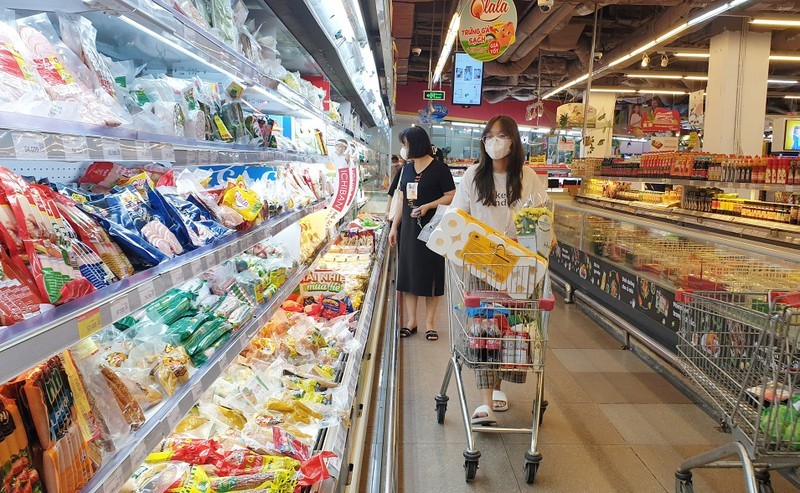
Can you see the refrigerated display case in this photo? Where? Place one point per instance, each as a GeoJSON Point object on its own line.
{"type": "Point", "coordinates": [635, 264]}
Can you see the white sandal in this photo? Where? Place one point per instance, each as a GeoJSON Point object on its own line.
{"type": "Point", "coordinates": [499, 396]}
{"type": "Point", "coordinates": [486, 420]}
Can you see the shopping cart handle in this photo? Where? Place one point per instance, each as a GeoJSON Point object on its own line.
{"type": "Point", "coordinates": [547, 304]}
{"type": "Point", "coordinates": [679, 298]}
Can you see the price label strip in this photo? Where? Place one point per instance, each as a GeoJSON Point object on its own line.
{"type": "Point", "coordinates": [29, 145]}
{"type": "Point", "coordinates": [89, 323]}
{"type": "Point", "coordinates": [114, 482]}
{"type": "Point", "coordinates": [112, 150]}
{"type": "Point", "coordinates": [174, 418]}
{"type": "Point", "coordinates": [168, 153]}
{"type": "Point", "coordinates": [177, 276]}
{"type": "Point", "coordinates": [138, 455]}
{"type": "Point", "coordinates": [75, 147]}
{"type": "Point", "coordinates": [147, 293]}
{"type": "Point", "coordinates": [143, 152]}
{"type": "Point", "coordinates": [120, 308]}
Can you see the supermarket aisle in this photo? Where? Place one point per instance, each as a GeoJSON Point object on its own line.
{"type": "Point", "coordinates": [613, 424]}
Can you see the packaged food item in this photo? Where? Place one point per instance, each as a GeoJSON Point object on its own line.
{"type": "Point", "coordinates": [136, 227]}
{"type": "Point", "coordinates": [57, 66]}
{"type": "Point", "coordinates": [197, 221]}
{"type": "Point", "coordinates": [94, 236]}
{"type": "Point", "coordinates": [20, 85]}
{"type": "Point", "coordinates": [130, 408]}
{"type": "Point", "coordinates": [17, 474]}
{"type": "Point", "coordinates": [173, 368]}
{"type": "Point", "coordinates": [206, 335]}
{"type": "Point", "coordinates": [66, 465]}
{"type": "Point", "coordinates": [80, 36]}
{"type": "Point", "coordinates": [155, 478]}
{"type": "Point", "coordinates": [19, 297]}
{"type": "Point", "coordinates": [242, 200]}
{"type": "Point", "coordinates": [43, 232]}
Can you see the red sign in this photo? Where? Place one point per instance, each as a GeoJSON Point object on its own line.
{"type": "Point", "coordinates": [661, 120]}
{"type": "Point", "coordinates": [325, 86]}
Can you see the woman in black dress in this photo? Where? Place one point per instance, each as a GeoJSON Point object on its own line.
{"type": "Point", "coordinates": [425, 184]}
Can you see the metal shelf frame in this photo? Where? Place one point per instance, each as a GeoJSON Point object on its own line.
{"type": "Point", "coordinates": [24, 344]}
{"type": "Point", "coordinates": [704, 183]}
{"type": "Point", "coordinates": [63, 141]}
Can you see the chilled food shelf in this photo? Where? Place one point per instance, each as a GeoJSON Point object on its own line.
{"type": "Point", "coordinates": [33, 138]}
{"type": "Point", "coordinates": [335, 438]}
{"type": "Point", "coordinates": [198, 46]}
{"type": "Point", "coordinates": [40, 337]}
{"type": "Point", "coordinates": [161, 422]}
{"type": "Point", "coordinates": [774, 232]}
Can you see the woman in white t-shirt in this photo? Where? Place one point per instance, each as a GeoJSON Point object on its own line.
{"type": "Point", "coordinates": [490, 192]}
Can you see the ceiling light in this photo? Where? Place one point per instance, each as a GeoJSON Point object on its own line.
{"type": "Point", "coordinates": [461, 124]}
{"type": "Point", "coordinates": [452, 34]}
{"type": "Point", "coordinates": [673, 33]}
{"type": "Point", "coordinates": [661, 91]}
{"type": "Point", "coordinates": [619, 60]}
{"type": "Point", "coordinates": [664, 60]}
{"type": "Point", "coordinates": [696, 77]}
{"type": "Point", "coordinates": [791, 97]}
{"type": "Point", "coordinates": [613, 90]}
{"type": "Point", "coordinates": [782, 81]}
{"type": "Point", "coordinates": [777, 22]}
{"type": "Point", "coordinates": [654, 75]}
{"type": "Point", "coordinates": [645, 60]}
{"type": "Point", "coordinates": [784, 58]}
{"type": "Point", "coordinates": [693, 55]}
{"type": "Point", "coordinates": [709, 15]}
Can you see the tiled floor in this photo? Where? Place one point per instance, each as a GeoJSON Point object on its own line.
{"type": "Point", "coordinates": [613, 425]}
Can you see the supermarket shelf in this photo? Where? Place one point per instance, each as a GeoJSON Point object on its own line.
{"type": "Point", "coordinates": [45, 139]}
{"type": "Point", "coordinates": [113, 474]}
{"type": "Point", "coordinates": [335, 438]}
{"type": "Point", "coordinates": [172, 28]}
{"type": "Point", "coordinates": [24, 344]}
{"type": "Point", "coordinates": [717, 228]}
{"type": "Point", "coordinates": [704, 183]}
{"type": "Point", "coordinates": [296, 16]}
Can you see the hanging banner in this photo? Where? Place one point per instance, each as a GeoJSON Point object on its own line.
{"type": "Point", "coordinates": [697, 115]}
{"type": "Point", "coordinates": [663, 144]}
{"type": "Point", "coordinates": [566, 145]}
{"type": "Point", "coordinates": [571, 115]}
{"type": "Point", "coordinates": [661, 120]}
{"type": "Point", "coordinates": [432, 114]}
{"type": "Point", "coordinates": [488, 28]}
{"type": "Point", "coordinates": [346, 169]}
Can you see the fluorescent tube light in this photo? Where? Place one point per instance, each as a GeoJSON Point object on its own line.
{"type": "Point", "coordinates": [696, 77]}
{"type": "Point", "coordinates": [661, 91]}
{"type": "Point", "coordinates": [791, 97]}
{"type": "Point", "coordinates": [692, 55]}
{"type": "Point", "coordinates": [646, 75]}
{"type": "Point", "coordinates": [462, 124]}
{"type": "Point", "coordinates": [782, 81]}
{"type": "Point", "coordinates": [672, 33]}
{"type": "Point", "coordinates": [452, 34]}
{"type": "Point", "coordinates": [784, 58]}
{"type": "Point", "coordinates": [777, 22]}
{"type": "Point", "coordinates": [180, 48]}
{"type": "Point", "coordinates": [613, 90]}
{"type": "Point", "coordinates": [709, 15]}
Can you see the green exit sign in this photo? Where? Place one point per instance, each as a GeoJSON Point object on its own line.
{"type": "Point", "coordinates": [433, 95]}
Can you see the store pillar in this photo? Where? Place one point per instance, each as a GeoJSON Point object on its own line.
{"type": "Point", "coordinates": [736, 98]}
{"type": "Point", "coordinates": [605, 104]}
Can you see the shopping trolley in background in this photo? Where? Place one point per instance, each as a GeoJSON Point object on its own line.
{"type": "Point", "coordinates": [742, 351]}
{"type": "Point", "coordinates": [498, 325]}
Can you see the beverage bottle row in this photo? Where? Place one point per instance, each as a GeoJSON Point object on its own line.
{"type": "Point", "coordinates": [781, 170]}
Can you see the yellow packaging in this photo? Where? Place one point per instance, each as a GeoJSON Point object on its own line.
{"type": "Point", "coordinates": [244, 201]}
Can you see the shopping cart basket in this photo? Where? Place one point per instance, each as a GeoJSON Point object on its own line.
{"type": "Point", "coordinates": [498, 322]}
{"type": "Point", "coordinates": [742, 352]}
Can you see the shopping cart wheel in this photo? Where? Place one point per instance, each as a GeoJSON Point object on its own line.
{"type": "Point", "coordinates": [471, 464]}
{"type": "Point", "coordinates": [441, 410]}
{"type": "Point", "coordinates": [532, 463]}
{"type": "Point", "coordinates": [542, 409]}
{"type": "Point", "coordinates": [764, 484]}
{"type": "Point", "coordinates": [683, 482]}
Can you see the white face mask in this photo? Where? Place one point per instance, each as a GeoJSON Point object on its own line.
{"type": "Point", "coordinates": [497, 148]}
{"type": "Point", "coordinates": [404, 153]}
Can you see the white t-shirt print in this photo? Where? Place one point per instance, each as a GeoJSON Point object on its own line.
{"type": "Point", "coordinates": [500, 216]}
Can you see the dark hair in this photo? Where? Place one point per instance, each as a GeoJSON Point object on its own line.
{"type": "Point", "coordinates": [484, 177]}
{"type": "Point", "coordinates": [439, 155]}
{"type": "Point", "coordinates": [419, 144]}
{"type": "Point", "coordinates": [395, 158]}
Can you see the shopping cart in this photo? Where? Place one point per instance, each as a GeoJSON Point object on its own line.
{"type": "Point", "coordinates": [741, 351]}
{"type": "Point", "coordinates": [498, 322]}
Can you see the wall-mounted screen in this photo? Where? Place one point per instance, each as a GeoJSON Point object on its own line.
{"type": "Point", "coordinates": [468, 81]}
{"type": "Point", "coordinates": [791, 139]}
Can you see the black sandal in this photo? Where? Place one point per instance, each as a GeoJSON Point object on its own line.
{"type": "Point", "coordinates": [405, 332]}
{"type": "Point", "coordinates": [431, 335]}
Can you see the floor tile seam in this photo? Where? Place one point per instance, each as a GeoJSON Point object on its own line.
{"type": "Point", "coordinates": [658, 482]}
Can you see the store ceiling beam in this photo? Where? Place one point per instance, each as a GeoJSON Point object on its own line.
{"type": "Point", "coordinates": [296, 16]}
